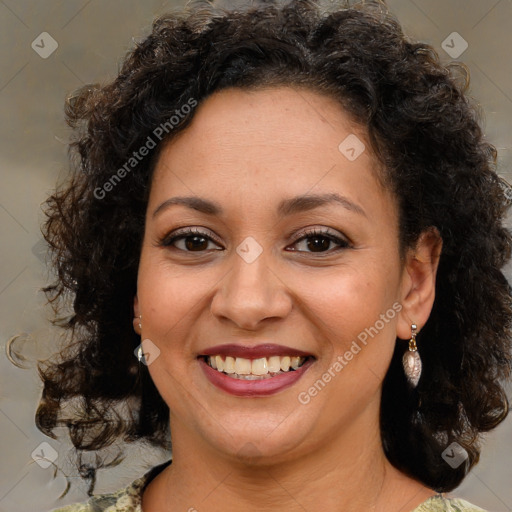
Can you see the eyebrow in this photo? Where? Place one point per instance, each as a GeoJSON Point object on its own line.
{"type": "Point", "coordinates": [286, 207]}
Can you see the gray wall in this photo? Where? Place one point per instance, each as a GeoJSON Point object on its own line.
{"type": "Point", "coordinates": [92, 37]}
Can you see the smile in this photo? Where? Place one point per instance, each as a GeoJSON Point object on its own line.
{"type": "Point", "coordinates": [254, 369]}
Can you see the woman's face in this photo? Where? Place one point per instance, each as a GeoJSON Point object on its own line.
{"type": "Point", "coordinates": [294, 258]}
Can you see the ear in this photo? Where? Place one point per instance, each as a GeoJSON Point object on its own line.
{"type": "Point", "coordinates": [136, 313]}
{"type": "Point", "coordinates": [418, 287]}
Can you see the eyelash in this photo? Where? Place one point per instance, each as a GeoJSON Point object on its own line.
{"type": "Point", "coordinates": [169, 240]}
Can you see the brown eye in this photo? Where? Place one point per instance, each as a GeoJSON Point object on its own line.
{"type": "Point", "coordinates": [320, 242]}
{"type": "Point", "coordinates": [196, 243]}
{"type": "Point", "coordinates": [190, 241]}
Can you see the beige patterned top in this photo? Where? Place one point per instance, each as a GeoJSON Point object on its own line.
{"type": "Point", "coordinates": [129, 500]}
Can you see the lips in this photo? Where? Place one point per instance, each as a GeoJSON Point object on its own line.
{"type": "Point", "coordinates": [254, 371]}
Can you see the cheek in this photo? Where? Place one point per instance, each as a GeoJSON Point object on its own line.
{"type": "Point", "coordinates": [169, 299]}
{"type": "Point", "coordinates": [355, 322]}
{"type": "Point", "coordinates": [169, 295]}
{"type": "Point", "coordinates": [345, 301]}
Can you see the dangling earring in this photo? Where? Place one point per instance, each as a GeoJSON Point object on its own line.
{"type": "Point", "coordinates": [412, 361]}
{"type": "Point", "coordinates": [139, 351]}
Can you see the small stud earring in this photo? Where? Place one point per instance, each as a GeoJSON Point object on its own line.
{"type": "Point", "coordinates": [140, 321]}
{"type": "Point", "coordinates": [412, 361]}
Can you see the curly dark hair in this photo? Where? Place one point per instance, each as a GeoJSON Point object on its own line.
{"type": "Point", "coordinates": [422, 128]}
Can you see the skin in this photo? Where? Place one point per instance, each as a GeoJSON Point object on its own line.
{"type": "Point", "coordinates": [247, 151]}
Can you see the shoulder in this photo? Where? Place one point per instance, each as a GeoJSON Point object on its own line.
{"type": "Point", "coordinates": [124, 500]}
{"type": "Point", "coordinates": [441, 504]}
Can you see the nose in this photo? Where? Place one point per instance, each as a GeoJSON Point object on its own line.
{"type": "Point", "coordinates": [251, 293]}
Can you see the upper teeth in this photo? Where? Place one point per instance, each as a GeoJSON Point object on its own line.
{"type": "Point", "coordinates": [261, 366]}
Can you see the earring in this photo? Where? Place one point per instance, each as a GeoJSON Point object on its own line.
{"type": "Point", "coordinates": [140, 321]}
{"type": "Point", "coordinates": [140, 354]}
{"type": "Point", "coordinates": [412, 361]}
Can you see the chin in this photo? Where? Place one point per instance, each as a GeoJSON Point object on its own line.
{"type": "Point", "coordinates": [260, 443]}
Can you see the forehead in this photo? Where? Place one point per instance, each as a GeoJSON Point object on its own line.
{"type": "Point", "coordinates": [266, 143]}
{"type": "Point", "coordinates": [276, 117]}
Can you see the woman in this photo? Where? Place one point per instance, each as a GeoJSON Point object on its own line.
{"type": "Point", "coordinates": [292, 220]}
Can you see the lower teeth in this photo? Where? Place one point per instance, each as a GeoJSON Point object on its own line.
{"type": "Point", "coordinates": [253, 377]}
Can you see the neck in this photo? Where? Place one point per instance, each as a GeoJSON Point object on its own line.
{"type": "Point", "coordinates": [350, 473]}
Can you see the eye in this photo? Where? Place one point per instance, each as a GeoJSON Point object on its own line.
{"type": "Point", "coordinates": [195, 240]}
{"type": "Point", "coordinates": [190, 240]}
{"type": "Point", "coordinates": [318, 241]}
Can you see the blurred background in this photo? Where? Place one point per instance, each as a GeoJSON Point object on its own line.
{"type": "Point", "coordinates": [50, 48]}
